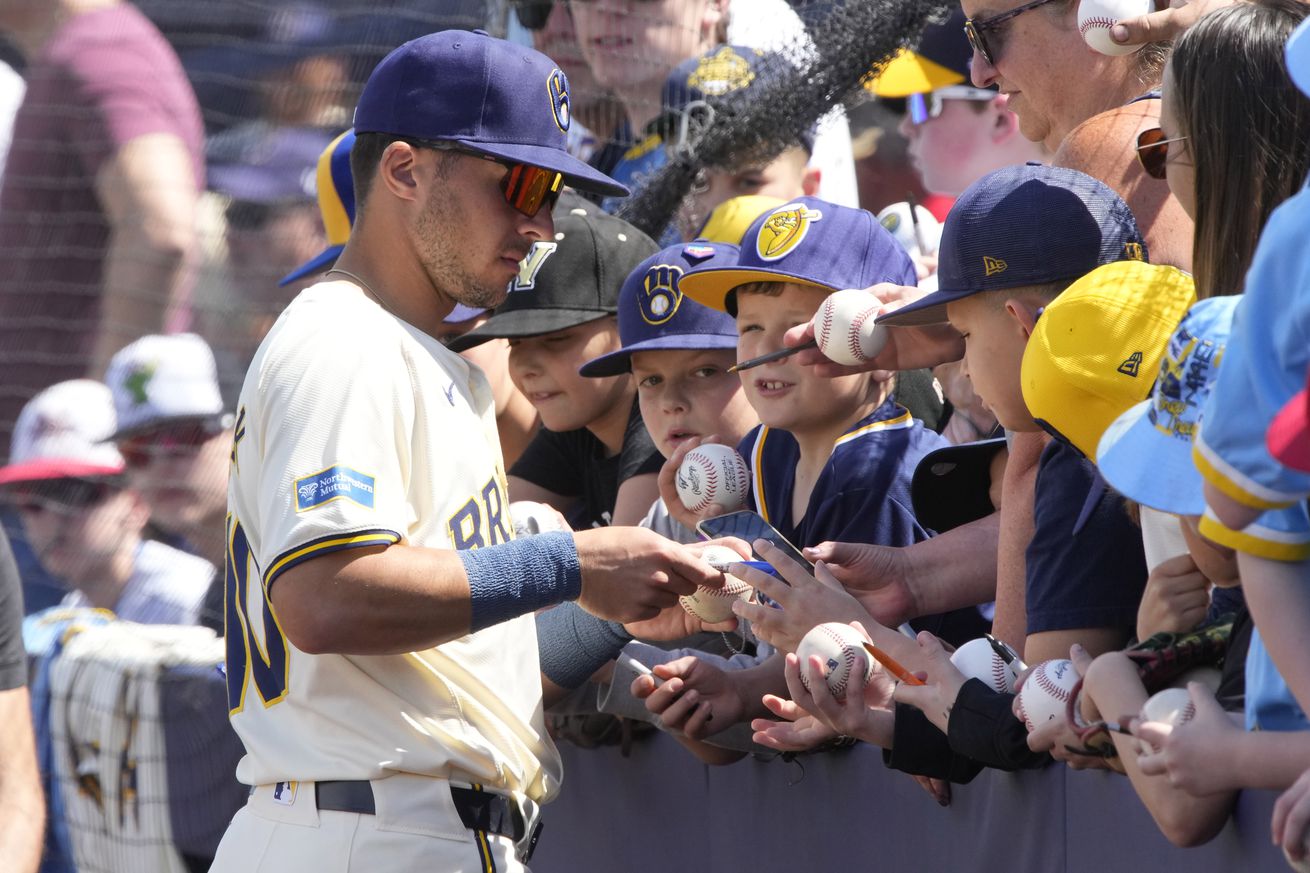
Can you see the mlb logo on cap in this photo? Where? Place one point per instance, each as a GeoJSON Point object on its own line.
{"type": "Point", "coordinates": [809, 242]}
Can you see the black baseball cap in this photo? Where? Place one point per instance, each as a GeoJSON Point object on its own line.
{"type": "Point", "coordinates": [952, 485]}
{"type": "Point", "coordinates": [570, 280]}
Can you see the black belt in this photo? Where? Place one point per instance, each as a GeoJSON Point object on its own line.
{"type": "Point", "coordinates": [478, 810]}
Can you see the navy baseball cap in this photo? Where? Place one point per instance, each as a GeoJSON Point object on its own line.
{"type": "Point", "coordinates": [569, 280]}
{"type": "Point", "coordinates": [336, 203]}
{"type": "Point", "coordinates": [807, 241]}
{"type": "Point", "coordinates": [942, 58]}
{"type": "Point", "coordinates": [1028, 224]}
{"type": "Point", "coordinates": [655, 314]}
{"type": "Point", "coordinates": [486, 94]}
{"type": "Point", "coordinates": [726, 74]}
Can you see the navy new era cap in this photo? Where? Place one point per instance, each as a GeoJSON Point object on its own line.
{"type": "Point", "coordinates": [1025, 225]}
{"type": "Point", "coordinates": [807, 241]}
{"type": "Point", "coordinates": [489, 95]}
{"type": "Point", "coordinates": [654, 313]}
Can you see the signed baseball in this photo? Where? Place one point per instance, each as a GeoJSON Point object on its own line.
{"type": "Point", "coordinates": [1096, 17]}
{"type": "Point", "coordinates": [840, 646]}
{"type": "Point", "coordinates": [531, 518]}
{"type": "Point", "coordinates": [844, 327]}
{"type": "Point", "coordinates": [1172, 706]}
{"type": "Point", "coordinates": [977, 659]}
{"type": "Point", "coordinates": [712, 474]}
{"type": "Point", "coordinates": [1045, 693]}
{"type": "Point", "coordinates": [713, 605]}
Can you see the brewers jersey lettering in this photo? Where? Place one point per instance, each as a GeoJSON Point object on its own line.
{"type": "Point", "coordinates": [355, 429]}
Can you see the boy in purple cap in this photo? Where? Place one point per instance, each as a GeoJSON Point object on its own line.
{"type": "Point", "coordinates": [382, 654]}
{"type": "Point", "coordinates": [833, 458]}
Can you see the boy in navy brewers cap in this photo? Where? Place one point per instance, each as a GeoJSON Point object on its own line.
{"type": "Point", "coordinates": [833, 458]}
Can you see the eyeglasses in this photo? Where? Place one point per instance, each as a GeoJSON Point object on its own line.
{"type": "Point", "coordinates": [141, 449]}
{"type": "Point", "coordinates": [62, 495]}
{"type": "Point", "coordinates": [1153, 151]}
{"type": "Point", "coordinates": [974, 30]}
{"type": "Point", "coordinates": [925, 107]}
{"type": "Point", "coordinates": [526, 187]}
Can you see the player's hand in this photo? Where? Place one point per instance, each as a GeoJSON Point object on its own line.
{"type": "Point", "coordinates": [805, 602]}
{"type": "Point", "coordinates": [1166, 23]}
{"type": "Point", "coordinates": [632, 574]}
{"type": "Point", "coordinates": [873, 575]}
{"type": "Point", "coordinates": [1190, 753]}
{"type": "Point", "coordinates": [691, 696]}
{"type": "Point", "coordinates": [798, 732]}
{"type": "Point", "coordinates": [907, 348]}
{"type": "Point", "coordinates": [1291, 821]}
{"type": "Point", "coordinates": [942, 683]}
{"type": "Point", "coordinates": [668, 486]}
{"type": "Point", "coordinates": [1176, 598]}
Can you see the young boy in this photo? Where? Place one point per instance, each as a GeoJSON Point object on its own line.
{"type": "Point", "coordinates": [593, 459]}
{"type": "Point", "coordinates": [680, 355]}
{"type": "Point", "coordinates": [833, 458]}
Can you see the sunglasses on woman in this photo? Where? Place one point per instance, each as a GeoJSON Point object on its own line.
{"type": "Point", "coordinates": [925, 107]}
{"type": "Point", "coordinates": [1153, 151]}
{"type": "Point", "coordinates": [527, 188]}
{"type": "Point", "coordinates": [976, 31]}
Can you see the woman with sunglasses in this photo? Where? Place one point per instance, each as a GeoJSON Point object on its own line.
{"type": "Point", "coordinates": [1232, 137]}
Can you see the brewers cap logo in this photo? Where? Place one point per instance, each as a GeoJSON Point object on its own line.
{"type": "Point", "coordinates": [557, 86]}
{"type": "Point", "coordinates": [660, 295]}
{"type": "Point", "coordinates": [721, 73]}
{"type": "Point", "coordinates": [1134, 252]}
{"type": "Point", "coordinates": [784, 230]}
{"type": "Point", "coordinates": [992, 266]}
{"type": "Point", "coordinates": [531, 265]}
{"type": "Point", "coordinates": [1131, 365]}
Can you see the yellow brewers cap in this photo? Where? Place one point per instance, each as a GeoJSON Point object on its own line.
{"type": "Point", "coordinates": [1096, 348]}
{"type": "Point", "coordinates": [942, 58]}
{"type": "Point", "coordinates": [729, 221]}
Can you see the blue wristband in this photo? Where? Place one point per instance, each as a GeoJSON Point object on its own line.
{"type": "Point", "coordinates": [522, 576]}
{"type": "Point", "coordinates": [573, 644]}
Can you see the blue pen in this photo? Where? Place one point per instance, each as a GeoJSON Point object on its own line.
{"type": "Point", "coordinates": [763, 566]}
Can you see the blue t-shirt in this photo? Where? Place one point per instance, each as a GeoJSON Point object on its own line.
{"type": "Point", "coordinates": [863, 493]}
{"type": "Point", "coordinates": [1085, 564]}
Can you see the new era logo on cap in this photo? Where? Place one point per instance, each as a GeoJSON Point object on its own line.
{"type": "Point", "coordinates": [992, 266]}
{"type": "Point", "coordinates": [1131, 365]}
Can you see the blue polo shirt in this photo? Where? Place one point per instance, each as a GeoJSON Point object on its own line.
{"type": "Point", "coordinates": [863, 493]}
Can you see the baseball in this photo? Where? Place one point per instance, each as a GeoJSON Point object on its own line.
{"type": "Point", "coordinates": [1096, 17]}
{"type": "Point", "coordinates": [977, 659]}
{"type": "Point", "coordinates": [715, 604]}
{"type": "Point", "coordinates": [1172, 706]}
{"type": "Point", "coordinates": [531, 518]}
{"type": "Point", "coordinates": [896, 219]}
{"type": "Point", "coordinates": [1045, 693]}
{"type": "Point", "coordinates": [839, 646]}
{"type": "Point", "coordinates": [712, 474]}
{"type": "Point", "coordinates": [844, 328]}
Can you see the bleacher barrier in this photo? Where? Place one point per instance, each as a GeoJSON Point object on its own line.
{"type": "Point", "coordinates": [144, 760]}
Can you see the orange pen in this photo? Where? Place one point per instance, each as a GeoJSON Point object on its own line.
{"type": "Point", "coordinates": [893, 666]}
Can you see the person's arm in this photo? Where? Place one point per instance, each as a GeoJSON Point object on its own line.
{"type": "Point", "coordinates": [635, 496]}
{"type": "Point", "coordinates": [1056, 643]}
{"type": "Point", "coordinates": [1163, 24]}
{"type": "Point", "coordinates": [148, 191]}
{"type": "Point", "coordinates": [1018, 489]}
{"type": "Point", "coordinates": [522, 489]}
{"type": "Point", "coordinates": [397, 599]}
{"type": "Point", "coordinates": [950, 571]}
{"type": "Point", "coordinates": [22, 806]}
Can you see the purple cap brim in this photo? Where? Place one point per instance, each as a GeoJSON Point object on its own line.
{"type": "Point", "coordinates": [578, 174]}
{"type": "Point", "coordinates": [930, 309]}
{"type": "Point", "coordinates": [617, 363]}
{"type": "Point", "coordinates": [316, 264]}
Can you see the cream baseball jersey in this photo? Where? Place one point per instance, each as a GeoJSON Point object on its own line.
{"type": "Point", "coordinates": [355, 429]}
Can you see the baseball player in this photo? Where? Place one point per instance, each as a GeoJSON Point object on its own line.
{"type": "Point", "coordinates": [382, 657]}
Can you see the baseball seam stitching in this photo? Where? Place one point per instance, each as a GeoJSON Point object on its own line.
{"type": "Point", "coordinates": [998, 674]}
{"type": "Point", "coordinates": [1048, 685]}
{"type": "Point", "coordinates": [853, 338]}
{"type": "Point", "coordinates": [1090, 23]}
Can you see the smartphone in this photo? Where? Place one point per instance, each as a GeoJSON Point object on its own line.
{"type": "Point", "coordinates": [749, 526]}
